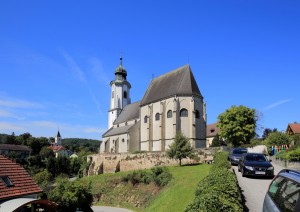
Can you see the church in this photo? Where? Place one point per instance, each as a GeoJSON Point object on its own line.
{"type": "Point", "coordinates": [172, 103]}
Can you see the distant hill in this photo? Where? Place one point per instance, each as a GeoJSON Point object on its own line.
{"type": "Point", "coordinates": [76, 144]}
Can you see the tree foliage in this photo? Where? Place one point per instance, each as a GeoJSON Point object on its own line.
{"type": "Point", "coordinates": [43, 178]}
{"type": "Point", "coordinates": [237, 125]}
{"type": "Point", "coordinates": [267, 131]}
{"type": "Point", "coordinates": [278, 139]}
{"type": "Point", "coordinates": [217, 141]}
{"type": "Point", "coordinates": [180, 148]}
{"type": "Point", "coordinates": [79, 144]}
{"type": "Point", "coordinates": [71, 195]}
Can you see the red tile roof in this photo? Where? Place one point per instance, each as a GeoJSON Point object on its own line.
{"type": "Point", "coordinates": [295, 128]}
{"type": "Point", "coordinates": [56, 148]}
{"type": "Point", "coordinates": [23, 183]}
{"type": "Point", "coordinates": [212, 130]}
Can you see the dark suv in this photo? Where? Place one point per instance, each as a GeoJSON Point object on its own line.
{"type": "Point", "coordinates": [284, 192]}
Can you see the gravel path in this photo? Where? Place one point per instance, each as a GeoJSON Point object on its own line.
{"type": "Point", "coordinates": [254, 188]}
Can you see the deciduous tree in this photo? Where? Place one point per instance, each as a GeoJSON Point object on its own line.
{"type": "Point", "coordinates": [237, 125]}
{"type": "Point", "coordinates": [72, 195]}
{"type": "Point", "coordinates": [278, 139]}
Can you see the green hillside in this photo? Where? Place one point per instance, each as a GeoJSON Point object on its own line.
{"type": "Point", "coordinates": [109, 190]}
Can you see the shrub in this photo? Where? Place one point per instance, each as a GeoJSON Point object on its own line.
{"type": "Point", "coordinates": [71, 195]}
{"type": "Point", "coordinates": [159, 175]}
{"type": "Point", "coordinates": [281, 155]}
{"type": "Point", "coordinates": [293, 155]}
{"type": "Point", "coordinates": [219, 191]}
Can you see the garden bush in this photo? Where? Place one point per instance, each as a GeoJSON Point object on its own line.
{"type": "Point", "coordinates": [293, 155]}
{"type": "Point", "coordinates": [159, 175]}
{"type": "Point", "coordinates": [281, 155]}
{"type": "Point", "coordinates": [219, 191]}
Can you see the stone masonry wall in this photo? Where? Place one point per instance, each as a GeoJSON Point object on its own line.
{"type": "Point", "coordinates": [111, 163]}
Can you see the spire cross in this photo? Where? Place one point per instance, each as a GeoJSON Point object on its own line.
{"type": "Point", "coordinates": [121, 58]}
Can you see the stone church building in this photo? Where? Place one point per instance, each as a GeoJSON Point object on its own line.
{"type": "Point", "coordinates": [172, 103]}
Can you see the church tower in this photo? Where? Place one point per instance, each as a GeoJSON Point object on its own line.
{"type": "Point", "coordinates": [120, 94]}
{"type": "Point", "coordinates": [58, 139]}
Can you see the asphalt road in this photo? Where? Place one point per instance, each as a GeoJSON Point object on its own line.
{"type": "Point", "coordinates": [109, 209]}
{"type": "Point", "coordinates": [254, 188]}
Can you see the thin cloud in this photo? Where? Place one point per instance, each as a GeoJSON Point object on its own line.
{"type": "Point", "coordinates": [81, 76]}
{"type": "Point", "coordinates": [94, 130]}
{"type": "Point", "coordinates": [6, 126]}
{"type": "Point", "coordinates": [98, 71]}
{"type": "Point", "coordinates": [276, 104]}
{"type": "Point", "coordinates": [47, 124]}
{"type": "Point", "coordinates": [18, 103]}
{"type": "Point", "coordinates": [74, 67]}
{"type": "Point", "coordinates": [7, 114]}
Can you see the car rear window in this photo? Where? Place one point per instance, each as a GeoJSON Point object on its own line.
{"type": "Point", "coordinates": [276, 184]}
{"type": "Point", "coordinates": [285, 193]}
{"type": "Point", "coordinates": [240, 151]}
{"type": "Point", "coordinates": [256, 158]}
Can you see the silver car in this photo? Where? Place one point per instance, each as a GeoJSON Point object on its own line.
{"type": "Point", "coordinates": [283, 193]}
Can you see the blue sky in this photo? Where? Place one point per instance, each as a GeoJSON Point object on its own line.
{"type": "Point", "coordinates": [58, 57]}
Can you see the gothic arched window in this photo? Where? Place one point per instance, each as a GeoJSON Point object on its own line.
{"type": "Point", "coordinates": [169, 114]}
{"type": "Point", "coordinates": [125, 94]}
{"type": "Point", "coordinates": [157, 117]}
{"type": "Point", "coordinates": [197, 114]}
{"type": "Point", "coordinates": [183, 113]}
{"type": "Point", "coordinates": [145, 119]}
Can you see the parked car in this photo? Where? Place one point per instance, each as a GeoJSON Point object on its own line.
{"type": "Point", "coordinates": [236, 154]}
{"type": "Point", "coordinates": [255, 164]}
{"type": "Point", "coordinates": [284, 192]}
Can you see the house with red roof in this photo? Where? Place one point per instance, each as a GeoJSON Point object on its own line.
{"type": "Point", "coordinates": [57, 148]}
{"type": "Point", "coordinates": [211, 132]}
{"type": "Point", "coordinates": [60, 151]}
{"type": "Point", "coordinates": [18, 191]}
{"type": "Point", "coordinates": [293, 129]}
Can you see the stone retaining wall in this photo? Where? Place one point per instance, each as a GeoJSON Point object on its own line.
{"type": "Point", "coordinates": [286, 164]}
{"type": "Point", "coordinates": [111, 163]}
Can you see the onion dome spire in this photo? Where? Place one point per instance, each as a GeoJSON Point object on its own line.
{"type": "Point", "coordinates": [120, 71]}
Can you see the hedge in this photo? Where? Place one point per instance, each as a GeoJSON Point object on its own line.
{"type": "Point", "coordinates": [219, 191]}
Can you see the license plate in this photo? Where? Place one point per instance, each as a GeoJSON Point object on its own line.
{"type": "Point", "coordinates": [260, 172]}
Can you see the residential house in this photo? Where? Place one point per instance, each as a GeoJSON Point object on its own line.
{"type": "Point", "coordinates": [58, 149]}
{"type": "Point", "coordinates": [18, 191]}
{"type": "Point", "coordinates": [20, 151]}
{"type": "Point", "coordinates": [293, 129]}
{"type": "Point", "coordinates": [211, 132]}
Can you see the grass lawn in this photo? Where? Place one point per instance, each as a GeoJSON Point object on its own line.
{"type": "Point", "coordinates": [174, 197]}
{"type": "Point", "coordinates": [181, 190]}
